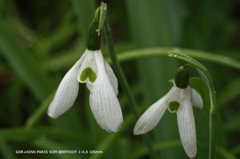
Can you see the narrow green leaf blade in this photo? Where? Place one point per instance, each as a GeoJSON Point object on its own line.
{"type": "Point", "coordinates": [25, 66]}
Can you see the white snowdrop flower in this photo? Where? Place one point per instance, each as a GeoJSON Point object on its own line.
{"type": "Point", "coordinates": [93, 70]}
{"type": "Point", "coordinates": [180, 101]}
{"type": "Point", "coordinates": [100, 79]}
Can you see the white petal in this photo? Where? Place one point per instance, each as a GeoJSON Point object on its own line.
{"type": "Point", "coordinates": [196, 99]}
{"type": "Point", "coordinates": [179, 94]}
{"type": "Point", "coordinates": [89, 86]}
{"type": "Point", "coordinates": [152, 115]}
{"type": "Point", "coordinates": [88, 62]}
{"type": "Point", "coordinates": [186, 126]}
{"type": "Point", "coordinates": [66, 93]}
{"type": "Point", "coordinates": [111, 77]}
{"type": "Point", "coordinates": [103, 101]}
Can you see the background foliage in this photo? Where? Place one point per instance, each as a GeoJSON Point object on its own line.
{"type": "Point", "coordinates": [41, 40]}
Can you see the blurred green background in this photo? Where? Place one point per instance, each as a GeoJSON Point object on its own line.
{"type": "Point", "coordinates": [41, 40]}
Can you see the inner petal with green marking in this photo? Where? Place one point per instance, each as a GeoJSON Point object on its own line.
{"type": "Point", "coordinates": [88, 73]}
{"type": "Point", "coordinates": [173, 106]}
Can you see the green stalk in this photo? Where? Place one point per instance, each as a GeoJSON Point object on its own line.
{"type": "Point", "coordinates": [123, 81]}
{"type": "Point", "coordinates": [213, 107]}
{"type": "Point", "coordinates": [161, 52]}
{"type": "Point", "coordinates": [68, 58]}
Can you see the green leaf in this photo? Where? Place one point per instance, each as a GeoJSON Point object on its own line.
{"type": "Point", "coordinates": [6, 150]}
{"type": "Point", "coordinates": [55, 146]}
{"type": "Point", "coordinates": [201, 115]}
{"type": "Point", "coordinates": [199, 85]}
{"type": "Point", "coordinates": [232, 124]}
{"type": "Point", "coordinates": [160, 146]}
{"type": "Point", "coordinates": [110, 139]}
{"type": "Point", "coordinates": [152, 28]}
{"type": "Point", "coordinates": [59, 36]}
{"type": "Point", "coordinates": [85, 13]}
{"type": "Point", "coordinates": [25, 66]}
{"type": "Point", "coordinates": [22, 134]}
{"type": "Point", "coordinates": [41, 111]}
{"type": "Point", "coordinates": [228, 93]}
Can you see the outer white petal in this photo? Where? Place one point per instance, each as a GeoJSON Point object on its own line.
{"type": "Point", "coordinates": [111, 77]}
{"type": "Point", "coordinates": [152, 115]}
{"type": "Point", "coordinates": [66, 93]}
{"type": "Point", "coordinates": [88, 61]}
{"type": "Point", "coordinates": [186, 124]}
{"type": "Point", "coordinates": [103, 101]}
{"type": "Point", "coordinates": [196, 99]}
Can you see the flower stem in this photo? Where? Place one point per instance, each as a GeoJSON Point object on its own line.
{"type": "Point", "coordinates": [161, 52]}
{"type": "Point", "coordinates": [123, 81]}
{"type": "Point", "coordinates": [213, 107]}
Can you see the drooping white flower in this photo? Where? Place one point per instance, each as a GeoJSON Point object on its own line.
{"type": "Point", "coordinates": [180, 101]}
{"type": "Point", "coordinates": [100, 79]}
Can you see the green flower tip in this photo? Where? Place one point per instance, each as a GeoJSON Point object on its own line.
{"type": "Point", "coordinates": [173, 106]}
{"type": "Point", "coordinates": [88, 73]}
{"type": "Point", "coordinates": [182, 77]}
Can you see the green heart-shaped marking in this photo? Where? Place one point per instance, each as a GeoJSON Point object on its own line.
{"type": "Point", "coordinates": [173, 106]}
{"type": "Point", "coordinates": [88, 73]}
